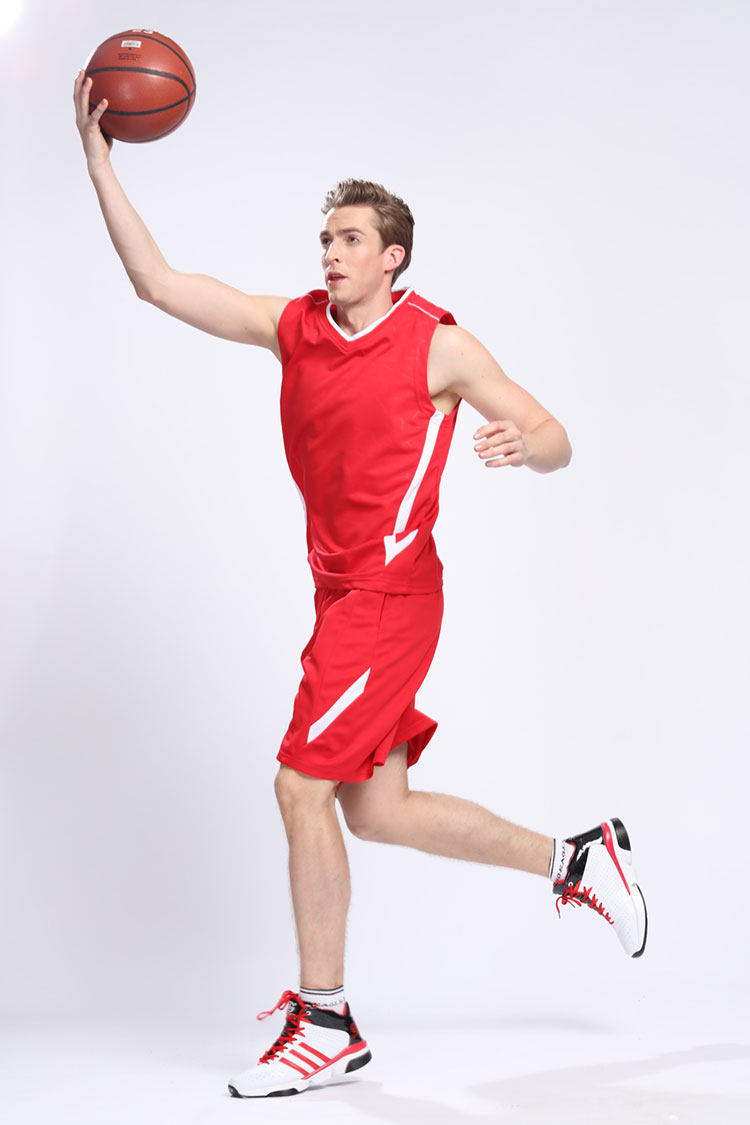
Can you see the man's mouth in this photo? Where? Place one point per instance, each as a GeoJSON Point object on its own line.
{"type": "Point", "coordinates": [335, 277]}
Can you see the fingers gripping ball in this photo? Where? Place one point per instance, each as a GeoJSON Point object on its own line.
{"type": "Point", "coordinates": [148, 82]}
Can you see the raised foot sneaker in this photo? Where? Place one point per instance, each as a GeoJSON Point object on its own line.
{"type": "Point", "coordinates": [600, 875]}
{"type": "Point", "coordinates": [314, 1046]}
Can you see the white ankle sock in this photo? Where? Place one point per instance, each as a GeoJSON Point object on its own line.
{"type": "Point", "coordinates": [331, 998]}
{"type": "Point", "coordinates": [562, 853]}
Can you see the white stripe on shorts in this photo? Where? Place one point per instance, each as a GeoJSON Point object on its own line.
{"type": "Point", "coordinates": [340, 705]}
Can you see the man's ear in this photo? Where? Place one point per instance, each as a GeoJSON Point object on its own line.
{"type": "Point", "coordinates": [394, 256]}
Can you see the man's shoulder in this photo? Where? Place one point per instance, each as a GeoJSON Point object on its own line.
{"type": "Point", "coordinates": [450, 348]}
{"type": "Point", "coordinates": [298, 319]}
{"type": "Point", "coordinates": [315, 301]}
{"type": "Point", "coordinates": [315, 298]}
{"type": "Point", "coordinates": [439, 314]}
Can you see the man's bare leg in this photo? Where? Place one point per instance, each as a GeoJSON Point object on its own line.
{"type": "Point", "coordinates": [318, 873]}
{"type": "Point", "coordinates": [385, 809]}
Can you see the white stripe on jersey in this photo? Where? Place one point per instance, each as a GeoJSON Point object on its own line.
{"type": "Point", "coordinates": [392, 548]}
{"type": "Point", "coordinates": [340, 705]}
{"type": "Point", "coordinates": [426, 313]}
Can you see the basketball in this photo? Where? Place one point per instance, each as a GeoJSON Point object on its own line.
{"type": "Point", "coordinates": [148, 82]}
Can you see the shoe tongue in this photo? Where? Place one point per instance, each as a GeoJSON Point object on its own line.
{"type": "Point", "coordinates": [292, 1008]}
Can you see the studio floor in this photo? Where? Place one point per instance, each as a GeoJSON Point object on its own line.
{"type": "Point", "coordinates": [535, 1072]}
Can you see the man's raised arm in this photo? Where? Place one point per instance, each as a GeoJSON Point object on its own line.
{"type": "Point", "coordinates": [199, 300]}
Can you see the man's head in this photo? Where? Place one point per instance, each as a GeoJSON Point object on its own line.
{"type": "Point", "coordinates": [386, 213]}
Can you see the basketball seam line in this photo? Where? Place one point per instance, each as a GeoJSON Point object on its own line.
{"type": "Point", "coordinates": [146, 112]}
{"type": "Point", "coordinates": [153, 39]}
{"type": "Point", "coordinates": [140, 70]}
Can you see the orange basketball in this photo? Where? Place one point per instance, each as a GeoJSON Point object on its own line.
{"type": "Point", "coordinates": [148, 82]}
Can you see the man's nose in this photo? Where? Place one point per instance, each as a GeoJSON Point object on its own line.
{"type": "Point", "coordinates": [332, 253]}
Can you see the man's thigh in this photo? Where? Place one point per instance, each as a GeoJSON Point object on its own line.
{"type": "Point", "coordinates": [365, 801]}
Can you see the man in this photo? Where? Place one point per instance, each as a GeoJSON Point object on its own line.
{"type": "Point", "coordinates": [371, 383]}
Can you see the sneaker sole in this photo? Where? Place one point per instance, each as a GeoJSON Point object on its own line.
{"type": "Point", "coordinates": [345, 1065]}
{"type": "Point", "coordinates": [620, 842]}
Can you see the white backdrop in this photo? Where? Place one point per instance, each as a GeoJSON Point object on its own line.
{"type": "Point", "coordinates": [579, 177]}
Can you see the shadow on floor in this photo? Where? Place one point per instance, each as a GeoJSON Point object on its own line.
{"type": "Point", "coordinates": [580, 1095]}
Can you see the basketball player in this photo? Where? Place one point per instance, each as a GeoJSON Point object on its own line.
{"type": "Point", "coordinates": [372, 379]}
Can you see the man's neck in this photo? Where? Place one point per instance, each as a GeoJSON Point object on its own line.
{"type": "Point", "coordinates": [355, 318]}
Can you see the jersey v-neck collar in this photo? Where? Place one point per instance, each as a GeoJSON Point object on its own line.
{"type": "Point", "coordinates": [370, 327]}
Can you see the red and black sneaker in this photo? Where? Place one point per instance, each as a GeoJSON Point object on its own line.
{"type": "Point", "coordinates": [315, 1045]}
{"type": "Point", "coordinates": [600, 875]}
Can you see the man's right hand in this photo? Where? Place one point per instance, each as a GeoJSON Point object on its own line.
{"type": "Point", "coordinates": [96, 144]}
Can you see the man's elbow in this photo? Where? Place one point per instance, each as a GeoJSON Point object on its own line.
{"type": "Point", "coordinates": [560, 448]}
{"type": "Point", "coordinates": [149, 287]}
{"type": "Point", "coordinates": [143, 289]}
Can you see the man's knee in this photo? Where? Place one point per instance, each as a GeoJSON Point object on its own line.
{"type": "Point", "coordinates": [370, 829]}
{"type": "Point", "coordinates": [377, 823]}
{"type": "Point", "coordinates": [300, 793]}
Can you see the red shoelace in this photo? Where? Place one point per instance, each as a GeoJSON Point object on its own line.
{"type": "Point", "coordinates": [291, 1027]}
{"type": "Point", "coordinates": [578, 897]}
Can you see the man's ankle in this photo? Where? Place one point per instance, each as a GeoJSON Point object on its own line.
{"type": "Point", "coordinates": [332, 999]}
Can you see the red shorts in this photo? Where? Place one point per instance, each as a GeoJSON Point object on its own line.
{"type": "Point", "coordinates": [367, 656]}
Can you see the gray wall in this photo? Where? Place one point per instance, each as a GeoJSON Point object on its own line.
{"type": "Point", "coordinates": [579, 177]}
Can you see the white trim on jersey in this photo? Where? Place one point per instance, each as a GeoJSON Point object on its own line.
{"type": "Point", "coordinates": [340, 705]}
{"type": "Point", "coordinates": [414, 305]}
{"type": "Point", "coordinates": [392, 548]}
{"type": "Point", "coordinates": [358, 335]}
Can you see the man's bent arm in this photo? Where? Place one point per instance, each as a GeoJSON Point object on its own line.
{"type": "Point", "coordinates": [519, 430]}
{"type": "Point", "coordinates": [548, 447]}
{"type": "Point", "coordinates": [199, 300]}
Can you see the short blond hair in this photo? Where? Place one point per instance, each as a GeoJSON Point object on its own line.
{"type": "Point", "coordinates": [394, 220]}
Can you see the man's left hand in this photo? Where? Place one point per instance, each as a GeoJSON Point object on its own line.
{"type": "Point", "coordinates": [501, 443]}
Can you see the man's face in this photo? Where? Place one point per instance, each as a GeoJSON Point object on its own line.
{"type": "Point", "coordinates": [354, 260]}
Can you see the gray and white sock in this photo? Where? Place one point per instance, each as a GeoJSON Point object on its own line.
{"type": "Point", "coordinates": [562, 853]}
{"type": "Point", "coordinates": [331, 998]}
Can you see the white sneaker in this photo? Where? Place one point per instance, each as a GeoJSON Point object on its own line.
{"type": "Point", "coordinates": [315, 1045]}
{"type": "Point", "coordinates": [600, 875]}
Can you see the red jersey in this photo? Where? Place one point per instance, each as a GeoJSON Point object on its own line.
{"type": "Point", "coordinates": [365, 444]}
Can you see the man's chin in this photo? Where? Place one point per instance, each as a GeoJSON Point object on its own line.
{"type": "Point", "coordinates": [336, 286]}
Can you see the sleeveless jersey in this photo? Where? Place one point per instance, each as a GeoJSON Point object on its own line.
{"type": "Point", "coordinates": [364, 443]}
